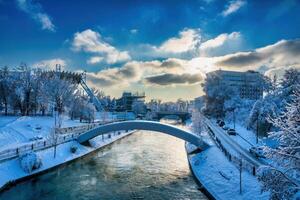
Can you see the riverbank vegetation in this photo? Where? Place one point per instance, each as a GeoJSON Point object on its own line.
{"type": "Point", "coordinates": [25, 91]}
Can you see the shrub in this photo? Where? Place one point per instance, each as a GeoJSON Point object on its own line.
{"type": "Point", "coordinates": [73, 149]}
{"type": "Point", "coordinates": [30, 161]}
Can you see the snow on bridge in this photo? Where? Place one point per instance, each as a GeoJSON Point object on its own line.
{"type": "Point", "coordinates": [144, 125]}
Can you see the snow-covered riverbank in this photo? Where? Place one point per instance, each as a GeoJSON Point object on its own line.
{"type": "Point", "coordinates": [11, 171]}
{"type": "Point", "coordinates": [220, 178]}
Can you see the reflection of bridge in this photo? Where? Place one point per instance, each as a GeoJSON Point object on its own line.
{"type": "Point", "coordinates": [182, 115]}
{"type": "Point", "coordinates": [143, 125]}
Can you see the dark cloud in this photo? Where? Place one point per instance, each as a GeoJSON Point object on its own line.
{"type": "Point", "coordinates": [241, 59]}
{"type": "Point", "coordinates": [100, 81]}
{"type": "Point", "coordinates": [284, 52]}
{"type": "Point", "coordinates": [127, 72]}
{"type": "Point", "coordinates": [171, 63]}
{"type": "Point", "coordinates": [169, 79]}
{"type": "Point", "coordinates": [114, 76]}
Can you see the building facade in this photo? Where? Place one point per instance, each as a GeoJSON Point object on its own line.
{"type": "Point", "coordinates": [249, 84]}
{"type": "Point", "coordinates": [128, 99]}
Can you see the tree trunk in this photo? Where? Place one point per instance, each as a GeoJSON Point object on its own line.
{"type": "Point", "coordinates": [6, 105]}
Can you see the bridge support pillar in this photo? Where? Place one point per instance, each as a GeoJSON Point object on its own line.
{"type": "Point", "coordinates": [86, 143]}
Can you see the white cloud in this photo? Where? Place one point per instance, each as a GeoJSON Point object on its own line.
{"type": "Point", "coordinates": [162, 76]}
{"type": "Point", "coordinates": [188, 40]}
{"type": "Point", "coordinates": [91, 42]}
{"type": "Point", "coordinates": [189, 44]}
{"type": "Point", "coordinates": [222, 44]}
{"type": "Point", "coordinates": [36, 12]}
{"type": "Point", "coordinates": [128, 73]}
{"type": "Point", "coordinates": [50, 64]}
{"type": "Point", "coordinates": [94, 60]}
{"type": "Point", "coordinates": [233, 6]}
{"type": "Point", "coordinates": [45, 21]}
{"type": "Point", "coordinates": [275, 56]}
{"type": "Point", "coordinates": [133, 31]}
{"type": "Point", "coordinates": [219, 40]}
{"type": "Point", "coordinates": [136, 71]}
{"type": "Point", "coordinates": [117, 56]}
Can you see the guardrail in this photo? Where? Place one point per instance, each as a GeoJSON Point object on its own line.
{"type": "Point", "coordinates": [36, 146]}
{"type": "Point", "coordinates": [64, 135]}
{"type": "Point", "coordinates": [246, 163]}
{"type": "Point", "coordinates": [83, 128]}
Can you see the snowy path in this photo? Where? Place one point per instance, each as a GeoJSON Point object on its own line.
{"type": "Point", "coordinates": [5, 120]}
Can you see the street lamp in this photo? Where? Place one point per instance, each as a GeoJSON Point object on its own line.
{"type": "Point", "coordinates": [257, 128]}
{"type": "Point", "coordinates": [233, 116]}
{"type": "Point", "coordinates": [233, 110]}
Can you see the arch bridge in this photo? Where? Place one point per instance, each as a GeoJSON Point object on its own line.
{"type": "Point", "coordinates": [143, 125]}
{"type": "Point", "coordinates": [182, 115]}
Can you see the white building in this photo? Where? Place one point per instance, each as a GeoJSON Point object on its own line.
{"type": "Point", "coordinates": [249, 84]}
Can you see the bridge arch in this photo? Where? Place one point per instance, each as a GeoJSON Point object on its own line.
{"type": "Point", "coordinates": [143, 125]}
{"type": "Point", "coordinates": [182, 115]}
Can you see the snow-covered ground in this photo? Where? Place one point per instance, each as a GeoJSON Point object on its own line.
{"type": "Point", "coordinates": [11, 170]}
{"type": "Point", "coordinates": [221, 177]}
{"type": "Point", "coordinates": [17, 130]}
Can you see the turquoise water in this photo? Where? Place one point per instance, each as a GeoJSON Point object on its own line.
{"type": "Point", "coordinates": [145, 165]}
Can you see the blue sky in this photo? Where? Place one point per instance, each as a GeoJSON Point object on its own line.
{"type": "Point", "coordinates": [153, 46]}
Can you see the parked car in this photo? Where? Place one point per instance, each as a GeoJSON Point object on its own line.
{"type": "Point", "coordinates": [231, 131]}
{"type": "Point", "coordinates": [225, 128]}
{"type": "Point", "coordinates": [39, 137]}
{"type": "Point", "coordinates": [258, 152]}
{"type": "Point", "coordinates": [221, 123]}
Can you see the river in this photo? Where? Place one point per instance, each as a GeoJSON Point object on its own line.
{"type": "Point", "coordinates": [144, 165]}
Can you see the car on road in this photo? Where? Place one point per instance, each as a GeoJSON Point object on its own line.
{"type": "Point", "coordinates": [258, 152]}
{"type": "Point", "coordinates": [39, 137]}
{"type": "Point", "coordinates": [221, 123]}
{"type": "Point", "coordinates": [231, 131]}
{"type": "Point", "coordinates": [225, 128]}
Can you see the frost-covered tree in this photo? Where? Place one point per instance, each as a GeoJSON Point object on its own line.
{"type": "Point", "coordinates": [274, 102]}
{"type": "Point", "coordinates": [5, 88]}
{"type": "Point", "coordinates": [24, 85]}
{"type": "Point", "coordinates": [236, 106]}
{"type": "Point", "coordinates": [261, 110]}
{"type": "Point", "coordinates": [88, 112]}
{"type": "Point", "coordinates": [283, 178]}
{"type": "Point", "coordinates": [60, 92]}
{"type": "Point", "coordinates": [290, 78]}
{"type": "Point", "coordinates": [215, 95]}
{"type": "Point", "coordinates": [139, 107]}
{"type": "Point", "coordinates": [81, 108]}
{"type": "Point", "coordinates": [43, 99]}
{"type": "Point", "coordinates": [197, 122]}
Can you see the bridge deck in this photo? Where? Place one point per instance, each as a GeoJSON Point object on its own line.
{"type": "Point", "coordinates": [144, 125]}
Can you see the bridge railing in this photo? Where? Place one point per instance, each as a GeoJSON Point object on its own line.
{"type": "Point", "coordinates": [36, 146]}
{"type": "Point", "coordinates": [84, 128]}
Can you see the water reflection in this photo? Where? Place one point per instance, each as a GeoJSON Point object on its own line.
{"type": "Point", "coordinates": [145, 165]}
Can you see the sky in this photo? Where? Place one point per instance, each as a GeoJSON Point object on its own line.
{"type": "Point", "coordinates": [161, 47]}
